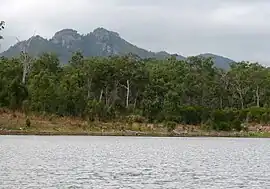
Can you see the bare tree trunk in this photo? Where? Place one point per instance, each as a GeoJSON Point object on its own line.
{"type": "Point", "coordinates": [101, 94]}
{"type": "Point", "coordinates": [127, 87]}
{"type": "Point", "coordinates": [242, 101]}
{"type": "Point", "coordinates": [89, 88]}
{"type": "Point", "coordinates": [26, 60]}
{"type": "Point", "coordinates": [106, 96]}
{"type": "Point", "coordinates": [127, 97]}
{"type": "Point", "coordinates": [114, 94]}
{"type": "Point", "coordinates": [241, 92]}
{"type": "Point", "coordinates": [257, 96]}
{"type": "Point", "coordinates": [25, 66]}
{"type": "Point", "coordinates": [135, 101]}
{"type": "Point", "coordinates": [220, 103]}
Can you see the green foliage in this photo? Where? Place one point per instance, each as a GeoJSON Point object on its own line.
{"type": "Point", "coordinates": [236, 125]}
{"type": "Point", "coordinates": [225, 120]}
{"type": "Point", "coordinates": [190, 92]}
{"type": "Point", "coordinates": [256, 114]}
{"type": "Point", "coordinates": [221, 126]}
{"type": "Point", "coordinates": [265, 118]}
{"type": "Point", "coordinates": [192, 115]}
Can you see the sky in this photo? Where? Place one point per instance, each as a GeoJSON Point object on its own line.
{"type": "Point", "coordinates": [237, 29]}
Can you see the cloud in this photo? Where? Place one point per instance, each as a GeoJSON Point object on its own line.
{"type": "Point", "coordinates": [234, 28]}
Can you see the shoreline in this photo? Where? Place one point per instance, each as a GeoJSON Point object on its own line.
{"type": "Point", "coordinates": [16, 124]}
{"type": "Point", "coordinates": [138, 134]}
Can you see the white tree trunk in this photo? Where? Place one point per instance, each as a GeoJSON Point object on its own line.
{"type": "Point", "coordinates": [257, 96]}
{"type": "Point", "coordinates": [25, 67]}
{"type": "Point", "coordinates": [101, 94]}
{"type": "Point", "coordinates": [26, 60]}
{"type": "Point", "coordinates": [127, 87]}
{"type": "Point", "coordinates": [128, 91]}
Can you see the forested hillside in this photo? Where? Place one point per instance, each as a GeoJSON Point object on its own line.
{"type": "Point", "coordinates": [190, 91]}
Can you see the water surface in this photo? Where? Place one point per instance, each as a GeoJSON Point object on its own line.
{"type": "Point", "coordinates": [130, 162]}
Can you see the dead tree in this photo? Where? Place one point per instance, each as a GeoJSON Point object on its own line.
{"type": "Point", "coordinates": [26, 59]}
{"type": "Point", "coordinates": [2, 26]}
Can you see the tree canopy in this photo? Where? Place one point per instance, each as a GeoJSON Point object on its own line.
{"type": "Point", "coordinates": [190, 91]}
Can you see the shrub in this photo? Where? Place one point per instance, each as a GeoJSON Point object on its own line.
{"type": "Point", "coordinates": [28, 123]}
{"type": "Point", "coordinates": [255, 114]}
{"type": "Point", "coordinates": [227, 119]}
{"type": "Point", "coordinates": [206, 113]}
{"type": "Point", "coordinates": [171, 125]}
{"type": "Point", "coordinates": [265, 118]}
{"type": "Point", "coordinates": [236, 124]}
{"type": "Point", "coordinates": [221, 126]}
{"type": "Point", "coordinates": [227, 115]}
{"type": "Point", "coordinates": [243, 115]}
{"type": "Point", "coordinates": [136, 119]}
{"type": "Point", "coordinates": [191, 115]}
{"type": "Point", "coordinates": [172, 117]}
{"type": "Point", "coordinates": [207, 125]}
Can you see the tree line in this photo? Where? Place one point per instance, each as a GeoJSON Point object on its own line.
{"type": "Point", "coordinates": [191, 91]}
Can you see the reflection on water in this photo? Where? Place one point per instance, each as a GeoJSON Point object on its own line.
{"type": "Point", "coordinates": [129, 162]}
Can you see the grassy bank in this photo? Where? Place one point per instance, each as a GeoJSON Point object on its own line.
{"type": "Point", "coordinates": [16, 123]}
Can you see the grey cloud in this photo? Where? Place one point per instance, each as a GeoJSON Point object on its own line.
{"type": "Point", "coordinates": [238, 29]}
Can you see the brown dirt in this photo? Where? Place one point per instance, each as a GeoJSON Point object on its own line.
{"type": "Point", "coordinates": [14, 123]}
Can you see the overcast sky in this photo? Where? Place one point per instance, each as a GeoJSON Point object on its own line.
{"type": "Point", "coordinates": [238, 29]}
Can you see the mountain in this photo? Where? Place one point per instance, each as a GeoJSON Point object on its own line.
{"type": "Point", "coordinates": [220, 61]}
{"type": "Point", "coordinates": [100, 42]}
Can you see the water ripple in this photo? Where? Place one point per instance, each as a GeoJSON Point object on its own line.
{"type": "Point", "coordinates": [130, 162]}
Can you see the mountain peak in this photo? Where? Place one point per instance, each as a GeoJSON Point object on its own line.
{"type": "Point", "coordinates": [101, 30]}
{"type": "Point", "coordinates": [99, 42]}
{"type": "Point", "coordinates": [66, 37]}
{"type": "Point", "coordinates": [103, 34]}
{"type": "Point", "coordinates": [66, 31]}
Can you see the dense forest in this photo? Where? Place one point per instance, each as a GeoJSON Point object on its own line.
{"type": "Point", "coordinates": [190, 91]}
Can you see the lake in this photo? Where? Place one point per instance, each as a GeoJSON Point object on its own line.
{"type": "Point", "coordinates": [133, 162]}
